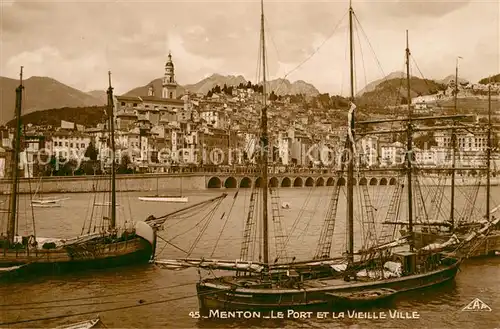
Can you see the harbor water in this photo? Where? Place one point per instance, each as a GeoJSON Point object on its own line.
{"type": "Point", "coordinates": [149, 297]}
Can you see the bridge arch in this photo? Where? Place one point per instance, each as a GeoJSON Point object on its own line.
{"type": "Point", "coordinates": [363, 181]}
{"type": "Point", "coordinates": [230, 182]}
{"type": "Point", "coordinates": [341, 181]}
{"type": "Point", "coordinates": [214, 182]}
{"type": "Point", "coordinates": [383, 181]}
{"type": "Point", "coordinates": [330, 181]}
{"type": "Point", "coordinates": [286, 182]}
{"type": "Point", "coordinates": [320, 181]}
{"type": "Point", "coordinates": [392, 181]}
{"type": "Point", "coordinates": [309, 181]}
{"type": "Point", "coordinates": [258, 182]}
{"type": "Point", "coordinates": [373, 181]}
{"type": "Point", "coordinates": [298, 182]}
{"type": "Point", "coordinates": [246, 182]}
{"type": "Point", "coordinates": [273, 182]}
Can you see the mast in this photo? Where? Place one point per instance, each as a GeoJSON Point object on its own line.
{"type": "Point", "coordinates": [409, 146]}
{"type": "Point", "coordinates": [112, 136]}
{"type": "Point", "coordinates": [488, 157]}
{"type": "Point", "coordinates": [453, 150]}
{"type": "Point", "coordinates": [264, 142]}
{"type": "Point", "coordinates": [11, 227]}
{"type": "Point", "coordinates": [350, 146]}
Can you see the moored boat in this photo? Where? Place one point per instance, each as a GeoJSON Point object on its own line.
{"type": "Point", "coordinates": [92, 323]}
{"type": "Point", "coordinates": [161, 198]}
{"type": "Point", "coordinates": [377, 272]}
{"type": "Point", "coordinates": [108, 246]}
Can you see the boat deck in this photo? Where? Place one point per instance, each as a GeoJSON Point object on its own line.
{"type": "Point", "coordinates": [325, 283]}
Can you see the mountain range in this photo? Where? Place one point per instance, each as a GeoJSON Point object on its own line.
{"type": "Point", "coordinates": [43, 93]}
{"type": "Point", "coordinates": [279, 86]}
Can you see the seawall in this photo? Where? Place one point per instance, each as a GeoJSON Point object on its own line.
{"type": "Point", "coordinates": [171, 183]}
{"type": "Point", "coordinates": [124, 183]}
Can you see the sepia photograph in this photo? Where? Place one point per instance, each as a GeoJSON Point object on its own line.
{"type": "Point", "coordinates": [250, 164]}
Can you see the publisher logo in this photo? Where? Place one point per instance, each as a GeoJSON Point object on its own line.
{"type": "Point", "coordinates": [477, 305]}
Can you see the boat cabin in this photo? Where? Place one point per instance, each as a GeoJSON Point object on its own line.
{"type": "Point", "coordinates": [408, 261]}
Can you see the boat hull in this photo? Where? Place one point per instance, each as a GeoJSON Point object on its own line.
{"type": "Point", "coordinates": [92, 254]}
{"type": "Point", "coordinates": [132, 252]}
{"type": "Point", "coordinates": [217, 295]}
{"type": "Point", "coordinates": [164, 199]}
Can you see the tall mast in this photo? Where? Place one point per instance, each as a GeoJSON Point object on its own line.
{"type": "Point", "coordinates": [409, 146]}
{"type": "Point", "coordinates": [488, 157]}
{"type": "Point", "coordinates": [11, 227]}
{"type": "Point", "coordinates": [453, 150]}
{"type": "Point", "coordinates": [350, 146]}
{"type": "Point", "coordinates": [264, 141]}
{"type": "Point", "coordinates": [112, 142]}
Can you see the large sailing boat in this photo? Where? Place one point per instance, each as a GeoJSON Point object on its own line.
{"type": "Point", "coordinates": [440, 234]}
{"type": "Point", "coordinates": [110, 246]}
{"type": "Point", "coordinates": [266, 286]}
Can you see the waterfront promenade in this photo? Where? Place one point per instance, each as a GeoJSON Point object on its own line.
{"type": "Point", "coordinates": [220, 178]}
{"type": "Point", "coordinates": [199, 180]}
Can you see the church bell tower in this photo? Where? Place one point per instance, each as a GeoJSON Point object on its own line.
{"type": "Point", "coordinates": [169, 83]}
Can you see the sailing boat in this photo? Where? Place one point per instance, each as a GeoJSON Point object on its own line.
{"type": "Point", "coordinates": [105, 248]}
{"type": "Point", "coordinates": [41, 202]}
{"type": "Point", "coordinates": [266, 286]}
{"type": "Point", "coordinates": [463, 229]}
{"type": "Point", "coordinates": [165, 198]}
{"type": "Point", "coordinates": [92, 323]}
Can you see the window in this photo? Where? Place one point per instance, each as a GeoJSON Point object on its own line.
{"type": "Point", "coordinates": [123, 103]}
{"type": "Point", "coordinates": [83, 144]}
{"type": "Point", "coordinates": [66, 144]}
{"type": "Point", "coordinates": [70, 144]}
{"type": "Point", "coordinates": [171, 94]}
{"type": "Point", "coordinates": [135, 104]}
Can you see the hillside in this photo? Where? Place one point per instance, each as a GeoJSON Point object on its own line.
{"type": "Point", "coordinates": [41, 93]}
{"type": "Point", "coordinates": [203, 86]}
{"type": "Point", "coordinates": [394, 92]}
{"type": "Point", "coordinates": [372, 85]}
{"type": "Point", "coordinates": [87, 116]}
{"type": "Point", "coordinates": [101, 95]}
{"type": "Point", "coordinates": [285, 87]}
{"type": "Point", "coordinates": [450, 78]}
{"type": "Point", "coordinates": [493, 78]}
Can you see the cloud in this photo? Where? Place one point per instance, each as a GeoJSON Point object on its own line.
{"type": "Point", "coordinates": [78, 42]}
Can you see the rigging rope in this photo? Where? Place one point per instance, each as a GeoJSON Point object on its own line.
{"type": "Point", "coordinates": [59, 300]}
{"type": "Point", "coordinates": [299, 215]}
{"type": "Point", "coordinates": [162, 301]}
{"type": "Point", "coordinates": [225, 223]}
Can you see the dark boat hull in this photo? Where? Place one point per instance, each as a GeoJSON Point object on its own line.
{"type": "Point", "coordinates": [135, 250]}
{"type": "Point", "coordinates": [217, 295]}
{"type": "Point", "coordinates": [139, 252]}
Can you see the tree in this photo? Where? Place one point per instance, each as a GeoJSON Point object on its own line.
{"type": "Point", "coordinates": [123, 167]}
{"type": "Point", "coordinates": [224, 89]}
{"type": "Point", "coordinates": [249, 84]}
{"type": "Point", "coordinates": [91, 152]}
{"type": "Point", "coordinates": [210, 93]}
{"type": "Point", "coordinates": [272, 96]}
{"type": "Point", "coordinates": [216, 89]}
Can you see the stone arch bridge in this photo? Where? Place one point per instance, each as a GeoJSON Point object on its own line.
{"type": "Point", "coordinates": [235, 180]}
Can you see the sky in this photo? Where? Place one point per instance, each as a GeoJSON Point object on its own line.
{"type": "Point", "coordinates": [77, 42]}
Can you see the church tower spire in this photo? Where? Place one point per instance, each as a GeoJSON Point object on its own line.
{"type": "Point", "coordinates": [169, 83]}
